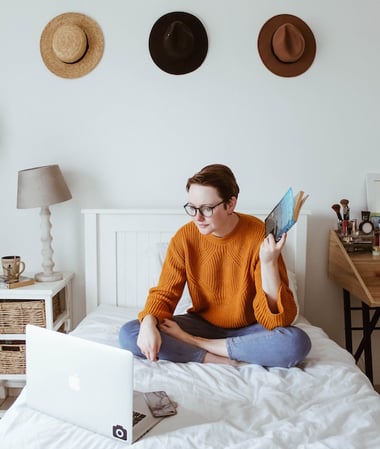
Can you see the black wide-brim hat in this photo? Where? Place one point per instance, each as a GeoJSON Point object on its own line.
{"type": "Point", "coordinates": [178, 43]}
{"type": "Point", "coordinates": [286, 45]}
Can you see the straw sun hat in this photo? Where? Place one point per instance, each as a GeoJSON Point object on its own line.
{"type": "Point", "coordinates": [71, 45]}
{"type": "Point", "coordinates": [286, 45]}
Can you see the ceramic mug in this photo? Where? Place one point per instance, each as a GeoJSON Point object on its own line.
{"type": "Point", "coordinates": [13, 266]}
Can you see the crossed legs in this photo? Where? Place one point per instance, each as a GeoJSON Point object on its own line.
{"type": "Point", "coordinates": [216, 348]}
{"type": "Point", "coordinates": [189, 338]}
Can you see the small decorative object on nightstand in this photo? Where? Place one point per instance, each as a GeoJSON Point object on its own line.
{"type": "Point", "coordinates": [42, 187]}
{"type": "Point", "coordinates": [46, 305]}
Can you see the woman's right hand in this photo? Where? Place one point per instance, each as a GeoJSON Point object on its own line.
{"type": "Point", "coordinates": [149, 338]}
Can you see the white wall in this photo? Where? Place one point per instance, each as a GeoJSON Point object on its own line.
{"type": "Point", "coordinates": [129, 135]}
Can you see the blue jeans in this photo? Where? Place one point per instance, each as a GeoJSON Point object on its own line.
{"type": "Point", "coordinates": [282, 346]}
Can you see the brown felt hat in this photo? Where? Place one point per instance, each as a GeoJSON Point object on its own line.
{"type": "Point", "coordinates": [178, 43]}
{"type": "Point", "coordinates": [71, 45]}
{"type": "Point", "coordinates": [286, 45]}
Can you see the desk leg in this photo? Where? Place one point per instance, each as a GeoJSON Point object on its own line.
{"type": "Point", "coordinates": [368, 326]}
{"type": "Point", "coordinates": [347, 320]}
{"type": "Point", "coordinates": [367, 341]}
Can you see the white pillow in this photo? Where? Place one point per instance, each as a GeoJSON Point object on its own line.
{"type": "Point", "coordinates": [159, 253]}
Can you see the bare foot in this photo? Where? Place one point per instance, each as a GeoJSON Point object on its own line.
{"type": "Point", "coordinates": [212, 358]}
{"type": "Point", "coordinates": [216, 349]}
{"type": "Point", "coordinates": [171, 328]}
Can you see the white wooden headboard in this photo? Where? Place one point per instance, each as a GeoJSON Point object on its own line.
{"type": "Point", "coordinates": [119, 245]}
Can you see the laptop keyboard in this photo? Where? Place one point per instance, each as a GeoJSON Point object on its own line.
{"type": "Point", "coordinates": [137, 417]}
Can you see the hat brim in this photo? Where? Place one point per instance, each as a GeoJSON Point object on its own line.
{"type": "Point", "coordinates": [160, 56]}
{"type": "Point", "coordinates": [264, 45]}
{"type": "Point", "coordinates": [94, 52]}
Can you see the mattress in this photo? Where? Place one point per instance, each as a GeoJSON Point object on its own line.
{"type": "Point", "coordinates": [326, 402]}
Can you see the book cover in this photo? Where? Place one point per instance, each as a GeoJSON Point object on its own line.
{"type": "Point", "coordinates": [23, 281]}
{"type": "Point", "coordinates": [285, 214]}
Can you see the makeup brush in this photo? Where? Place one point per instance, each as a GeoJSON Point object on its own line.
{"type": "Point", "coordinates": [346, 209]}
{"type": "Point", "coordinates": [336, 208]}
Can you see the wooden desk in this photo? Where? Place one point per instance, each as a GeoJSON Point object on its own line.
{"type": "Point", "coordinates": [358, 274]}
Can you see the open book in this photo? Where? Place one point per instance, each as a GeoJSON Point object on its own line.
{"type": "Point", "coordinates": [285, 214]}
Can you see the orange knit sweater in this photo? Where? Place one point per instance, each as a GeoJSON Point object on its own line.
{"type": "Point", "coordinates": [223, 277]}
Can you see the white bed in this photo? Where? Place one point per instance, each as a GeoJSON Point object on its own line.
{"type": "Point", "coordinates": [326, 402]}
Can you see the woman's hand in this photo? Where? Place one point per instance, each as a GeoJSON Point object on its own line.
{"type": "Point", "coordinates": [149, 338]}
{"type": "Point", "coordinates": [270, 250]}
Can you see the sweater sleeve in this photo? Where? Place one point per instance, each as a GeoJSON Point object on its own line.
{"type": "Point", "coordinates": [163, 298]}
{"type": "Point", "coordinates": [287, 307]}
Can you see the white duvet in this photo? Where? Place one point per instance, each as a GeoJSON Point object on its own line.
{"type": "Point", "coordinates": [327, 402]}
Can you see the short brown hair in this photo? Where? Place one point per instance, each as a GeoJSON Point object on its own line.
{"type": "Point", "coordinates": [219, 176]}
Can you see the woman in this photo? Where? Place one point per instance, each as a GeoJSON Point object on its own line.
{"type": "Point", "coordinates": [242, 305]}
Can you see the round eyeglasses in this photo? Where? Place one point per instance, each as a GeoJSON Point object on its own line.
{"type": "Point", "coordinates": [205, 211]}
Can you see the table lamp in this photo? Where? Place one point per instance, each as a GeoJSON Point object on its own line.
{"type": "Point", "coordinates": [42, 187]}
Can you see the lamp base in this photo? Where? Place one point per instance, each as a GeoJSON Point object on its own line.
{"type": "Point", "coordinates": [48, 277]}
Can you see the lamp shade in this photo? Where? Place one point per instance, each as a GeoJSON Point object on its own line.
{"type": "Point", "coordinates": [41, 187]}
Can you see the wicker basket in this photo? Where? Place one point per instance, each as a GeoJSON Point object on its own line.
{"type": "Point", "coordinates": [15, 315]}
{"type": "Point", "coordinates": [12, 357]}
{"type": "Point", "coordinates": [58, 305]}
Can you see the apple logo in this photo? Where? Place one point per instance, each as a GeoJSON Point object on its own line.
{"type": "Point", "coordinates": [74, 382]}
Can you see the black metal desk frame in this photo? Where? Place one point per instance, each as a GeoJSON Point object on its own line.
{"type": "Point", "coordinates": [369, 324]}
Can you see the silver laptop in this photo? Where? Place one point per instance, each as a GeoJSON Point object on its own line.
{"type": "Point", "coordinates": [85, 383]}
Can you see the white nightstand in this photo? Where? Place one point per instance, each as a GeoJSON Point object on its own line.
{"type": "Point", "coordinates": [52, 303]}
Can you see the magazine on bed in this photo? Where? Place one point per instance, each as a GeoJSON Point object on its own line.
{"type": "Point", "coordinates": [285, 214]}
